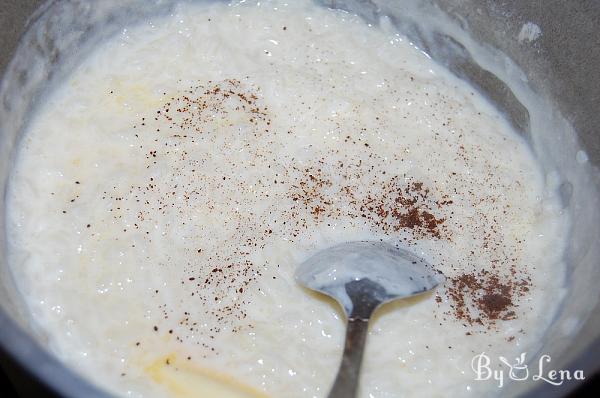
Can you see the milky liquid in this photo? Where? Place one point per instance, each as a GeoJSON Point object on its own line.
{"type": "Point", "coordinates": [165, 194]}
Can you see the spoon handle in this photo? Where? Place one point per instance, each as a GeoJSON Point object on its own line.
{"type": "Point", "coordinates": [346, 382]}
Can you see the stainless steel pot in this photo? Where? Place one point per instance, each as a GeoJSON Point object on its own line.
{"type": "Point", "coordinates": [562, 65]}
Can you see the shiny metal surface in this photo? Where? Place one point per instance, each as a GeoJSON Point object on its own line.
{"type": "Point", "coordinates": [357, 275]}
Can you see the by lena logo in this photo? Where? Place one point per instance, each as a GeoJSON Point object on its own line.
{"type": "Point", "coordinates": [518, 370]}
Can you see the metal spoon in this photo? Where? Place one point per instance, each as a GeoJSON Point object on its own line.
{"type": "Point", "coordinates": [361, 276]}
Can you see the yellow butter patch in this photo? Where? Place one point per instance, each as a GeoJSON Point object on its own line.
{"type": "Point", "coordinates": [184, 380]}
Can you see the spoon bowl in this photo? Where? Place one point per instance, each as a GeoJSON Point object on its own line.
{"type": "Point", "coordinates": [361, 276]}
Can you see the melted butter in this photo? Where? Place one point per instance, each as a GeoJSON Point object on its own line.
{"type": "Point", "coordinates": [185, 380]}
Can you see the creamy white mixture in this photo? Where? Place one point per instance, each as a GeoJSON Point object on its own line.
{"type": "Point", "coordinates": [165, 194]}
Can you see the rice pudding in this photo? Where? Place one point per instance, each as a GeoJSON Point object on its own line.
{"type": "Point", "coordinates": [165, 193]}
